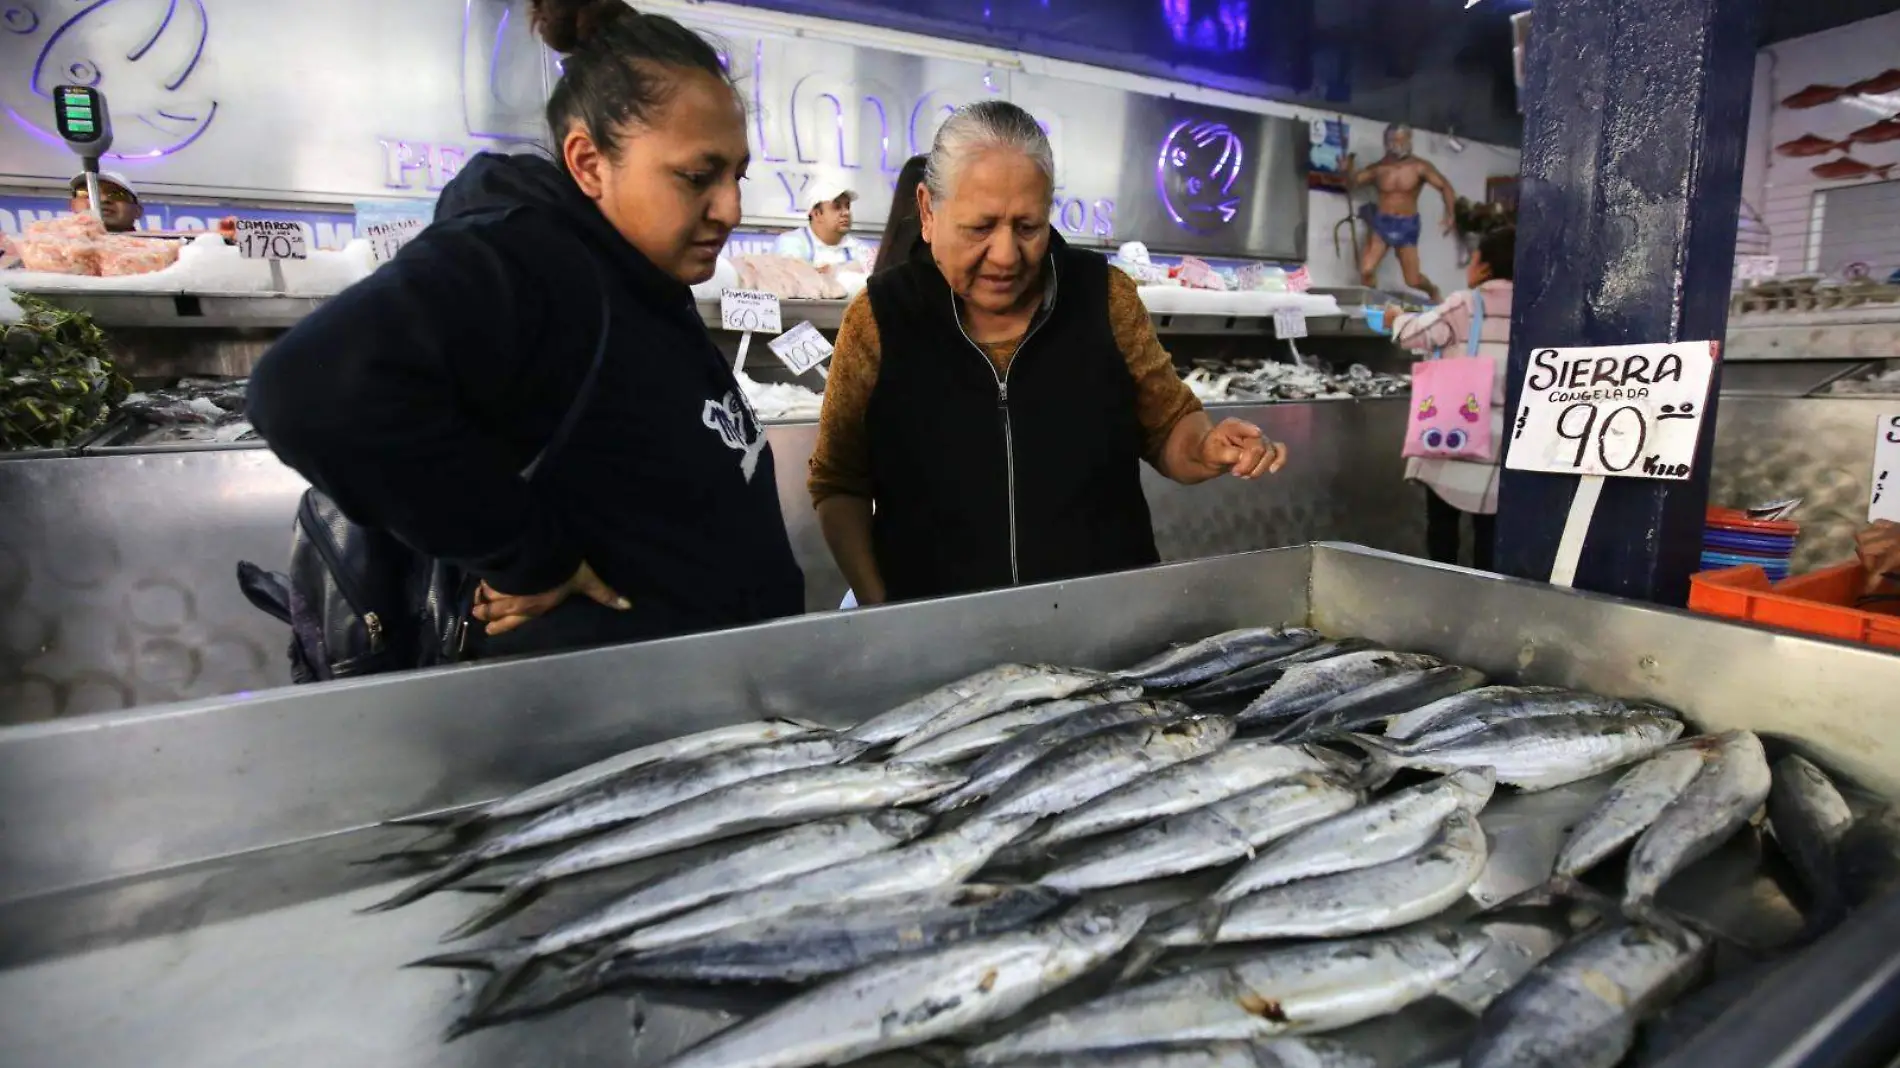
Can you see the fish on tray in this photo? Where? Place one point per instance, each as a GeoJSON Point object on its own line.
{"type": "Point", "coordinates": [1887, 81]}
{"type": "Point", "coordinates": [1248, 682]}
{"type": "Point", "coordinates": [1535, 754]}
{"type": "Point", "coordinates": [1847, 167]}
{"type": "Point", "coordinates": [1809, 818]}
{"type": "Point", "coordinates": [1268, 1053]}
{"type": "Point", "coordinates": [991, 731]}
{"type": "Point", "coordinates": [1200, 661]}
{"type": "Point", "coordinates": [1006, 761]}
{"type": "Point", "coordinates": [1810, 145]}
{"type": "Point", "coordinates": [1877, 134]}
{"type": "Point", "coordinates": [1731, 785]}
{"type": "Point", "coordinates": [1091, 766]}
{"type": "Point", "coordinates": [1041, 682]}
{"type": "Point", "coordinates": [1813, 96]}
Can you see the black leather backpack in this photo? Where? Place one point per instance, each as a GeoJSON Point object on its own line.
{"type": "Point", "coordinates": [359, 601]}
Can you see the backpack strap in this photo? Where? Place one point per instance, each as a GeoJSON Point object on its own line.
{"type": "Point", "coordinates": [1476, 337]}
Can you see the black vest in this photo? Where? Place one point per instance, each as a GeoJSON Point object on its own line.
{"type": "Point", "coordinates": [983, 481]}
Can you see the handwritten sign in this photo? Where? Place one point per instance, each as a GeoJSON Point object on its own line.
{"type": "Point", "coordinates": [387, 238]}
{"type": "Point", "coordinates": [1289, 323]}
{"type": "Point", "coordinates": [801, 348]}
{"type": "Point", "coordinates": [748, 310]}
{"type": "Point", "coordinates": [271, 239]}
{"type": "Point", "coordinates": [1886, 497]}
{"type": "Point", "coordinates": [1630, 411]}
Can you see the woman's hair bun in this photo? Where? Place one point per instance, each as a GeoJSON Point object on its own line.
{"type": "Point", "coordinates": [566, 25]}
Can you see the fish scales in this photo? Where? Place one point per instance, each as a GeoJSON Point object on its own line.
{"type": "Point", "coordinates": [1251, 680]}
{"type": "Point", "coordinates": [1485, 698]}
{"type": "Point", "coordinates": [915, 998]}
{"type": "Point", "coordinates": [1728, 790]}
{"type": "Point", "coordinates": [1810, 818]}
{"type": "Point", "coordinates": [1638, 797]}
{"type": "Point", "coordinates": [1199, 661]}
{"type": "Point", "coordinates": [1042, 683]}
{"type": "Point", "coordinates": [1360, 708]}
{"type": "Point", "coordinates": [1540, 753]}
{"type": "Point", "coordinates": [1094, 764]}
{"type": "Point", "coordinates": [987, 733]}
{"type": "Point", "coordinates": [1273, 1053]}
{"type": "Point", "coordinates": [902, 720]}
{"type": "Point", "coordinates": [1306, 687]}
{"type": "Point", "coordinates": [1006, 761]}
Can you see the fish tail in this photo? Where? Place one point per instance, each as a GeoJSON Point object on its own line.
{"type": "Point", "coordinates": [1142, 955]}
{"type": "Point", "coordinates": [427, 885]}
{"type": "Point", "coordinates": [1382, 760]}
{"type": "Point", "coordinates": [491, 959]}
{"type": "Point", "coordinates": [511, 900]}
{"type": "Point", "coordinates": [505, 980]}
{"type": "Point", "coordinates": [430, 819]}
{"type": "Point", "coordinates": [951, 801]}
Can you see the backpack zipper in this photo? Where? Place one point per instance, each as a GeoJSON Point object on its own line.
{"type": "Point", "coordinates": [1002, 406]}
{"type": "Point", "coordinates": [320, 538]}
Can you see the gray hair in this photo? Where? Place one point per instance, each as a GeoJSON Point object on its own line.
{"type": "Point", "coordinates": [984, 125]}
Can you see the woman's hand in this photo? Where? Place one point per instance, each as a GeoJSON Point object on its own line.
{"type": "Point", "coordinates": [1239, 447]}
{"type": "Point", "coordinates": [504, 612]}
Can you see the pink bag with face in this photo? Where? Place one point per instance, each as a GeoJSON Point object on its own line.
{"type": "Point", "coordinates": [1451, 402]}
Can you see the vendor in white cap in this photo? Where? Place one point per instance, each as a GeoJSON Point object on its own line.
{"type": "Point", "coordinates": [121, 210]}
{"type": "Point", "coordinates": [826, 239]}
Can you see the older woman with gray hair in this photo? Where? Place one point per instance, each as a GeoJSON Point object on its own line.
{"type": "Point", "coordinates": [997, 438]}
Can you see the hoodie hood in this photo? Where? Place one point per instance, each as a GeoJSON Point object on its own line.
{"type": "Point", "coordinates": [494, 183]}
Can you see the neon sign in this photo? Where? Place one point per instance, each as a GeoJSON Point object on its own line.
{"type": "Point", "coordinates": [1195, 174]}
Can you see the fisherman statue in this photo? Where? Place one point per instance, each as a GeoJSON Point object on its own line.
{"type": "Point", "coordinates": [1393, 220]}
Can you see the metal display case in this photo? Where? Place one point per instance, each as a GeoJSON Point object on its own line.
{"type": "Point", "coordinates": [175, 885]}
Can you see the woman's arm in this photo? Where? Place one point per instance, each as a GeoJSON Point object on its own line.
{"type": "Point", "coordinates": [366, 398]}
{"type": "Point", "coordinates": [840, 480]}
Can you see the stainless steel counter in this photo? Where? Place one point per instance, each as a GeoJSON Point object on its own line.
{"type": "Point", "coordinates": [117, 584]}
{"type": "Point", "coordinates": [174, 886]}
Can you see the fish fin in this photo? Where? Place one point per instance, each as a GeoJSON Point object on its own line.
{"type": "Point", "coordinates": [1382, 760]}
{"type": "Point", "coordinates": [427, 885]}
{"type": "Point", "coordinates": [427, 819]}
{"type": "Point", "coordinates": [506, 979]}
{"type": "Point", "coordinates": [1142, 956]}
{"type": "Point", "coordinates": [511, 901]}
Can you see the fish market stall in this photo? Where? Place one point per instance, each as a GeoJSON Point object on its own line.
{"type": "Point", "coordinates": [203, 910]}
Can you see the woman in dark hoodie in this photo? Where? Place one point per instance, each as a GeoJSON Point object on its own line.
{"type": "Point", "coordinates": [547, 308]}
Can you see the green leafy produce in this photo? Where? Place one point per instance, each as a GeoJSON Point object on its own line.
{"type": "Point", "coordinates": [57, 381]}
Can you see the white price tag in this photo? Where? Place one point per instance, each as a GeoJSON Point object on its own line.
{"type": "Point", "coordinates": [749, 309]}
{"type": "Point", "coordinates": [1755, 268]}
{"type": "Point", "coordinates": [387, 238]}
{"type": "Point", "coordinates": [1289, 323]}
{"type": "Point", "coordinates": [1886, 495]}
{"type": "Point", "coordinates": [271, 239]}
{"type": "Point", "coordinates": [1631, 411]}
{"type": "Point", "coordinates": [801, 348]}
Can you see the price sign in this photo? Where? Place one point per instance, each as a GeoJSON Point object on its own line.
{"type": "Point", "coordinates": [1624, 410]}
{"type": "Point", "coordinates": [1289, 323]}
{"type": "Point", "coordinates": [387, 238]}
{"type": "Point", "coordinates": [749, 309]}
{"type": "Point", "coordinates": [801, 348]}
{"type": "Point", "coordinates": [271, 239]}
{"type": "Point", "coordinates": [1755, 268]}
{"type": "Point", "coordinates": [1886, 496]}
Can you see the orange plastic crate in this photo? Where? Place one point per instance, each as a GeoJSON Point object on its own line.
{"type": "Point", "coordinates": [1820, 602]}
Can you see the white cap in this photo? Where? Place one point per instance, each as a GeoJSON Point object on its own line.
{"type": "Point", "coordinates": [826, 190]}
{"type": "Point", "coordinates": [105, 178]}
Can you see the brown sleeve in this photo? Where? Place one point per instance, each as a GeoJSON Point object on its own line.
{"type": "Point", "coordinates": [1161, 398]}
{"type": "Point", "coordinates": [841, 461]}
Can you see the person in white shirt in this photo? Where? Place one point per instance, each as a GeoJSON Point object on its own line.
{"type": "Point", "coordinates": [825, 241]}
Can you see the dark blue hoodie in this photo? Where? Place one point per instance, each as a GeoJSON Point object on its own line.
{"type": "Point", "coordinates": [415, 398]}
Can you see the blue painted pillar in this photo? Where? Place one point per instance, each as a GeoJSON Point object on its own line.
{"type": "Point", "coordinates": [1635, 116]}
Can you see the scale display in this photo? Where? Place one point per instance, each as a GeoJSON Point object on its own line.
{"type": "Point", "coordinates": [79, 113]}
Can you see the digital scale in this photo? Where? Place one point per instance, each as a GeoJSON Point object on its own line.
{"type": "Point", "coordinates": [80, 115]}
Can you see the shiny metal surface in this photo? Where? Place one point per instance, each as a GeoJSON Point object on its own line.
{"type": "Point", "coordinates": [117, 583]}
{"type": "Point", "coordinates": [199, 912]}
{"type": "Point", "coordinates": [1820, 449]}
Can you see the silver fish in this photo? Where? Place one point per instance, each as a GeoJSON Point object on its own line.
{"type": "Point", "coordinates": [1810, 818]}
{"type": "Point", "coordinates": [806, 848]}
{"type": "Point", "coordinates": [1248, 682]}
{"type": "Point", "coordinates": [837, 937]}
{"type": "Point", "coordinates": [1306, 687]}
{"type": "Point", "coordinates": [638, 795]}
{"type": "Point", "coordinates": [941, 860]}
{"type": "Point", "coordinates": [1305, 989]}
{"type": "Point", "coordinates": [1230, 770]}
{"type": "Point", "coordinates": [1002, 764]}
{"type": "Point", "coordinates": [907, 717]}
{"type": "Point", "coordinates": [1728, 790]}
{"type": "Point", "coordinates": [912, 999]}
{"type": "Point", "coordinates": [1196, 662]}
{"type": "Point", "coordinates": [1043, 683]}
{"type": "Point", "coordinates": [1539, 753]}
{"type": "Point", "coordinates": [1272, 1053]}
{"type": "Point", "coordinates": [1383, 831]}
{"type": "Point", "coordinates": [583, 780]}
{"type": "Point", "coordinates": [1223, 832]}
{"type": "Point", "coordinates": [1354, 902]}
{"type": "Point", "coordinates": [991, 731]}
{"type": "Point", "coordinates": [1638, 797]}
{"type": "Point", "coordinates": [1091, 766]}
{"type": "Point", "coordinates": [1530, 700]}
{"type": "Point", "coordinates": [1369, 704]}
{"type": "Point", "coordinates": [1580, 1008]}
{"type": "Point", "coordinates": [754, 805]}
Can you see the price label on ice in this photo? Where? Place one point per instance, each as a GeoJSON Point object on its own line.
{"type": "Point", "coordinates": [749, 309]}
{"type": "Point", "coordinates": [1886, 496]}
{"type": "Point", "coordinates": [387, 238]}
{"type": "Point", "coordinates": [1289, 323]}
{"type": "Point", "coordinates": [1624, 410]}
{"type": "Point", "coordinates": [801, 348]}
{"type": "Point", "coordinates": [271, 239]}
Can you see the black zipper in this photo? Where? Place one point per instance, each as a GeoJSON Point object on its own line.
{"type": "Point", "coordinates": [319, 535]}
